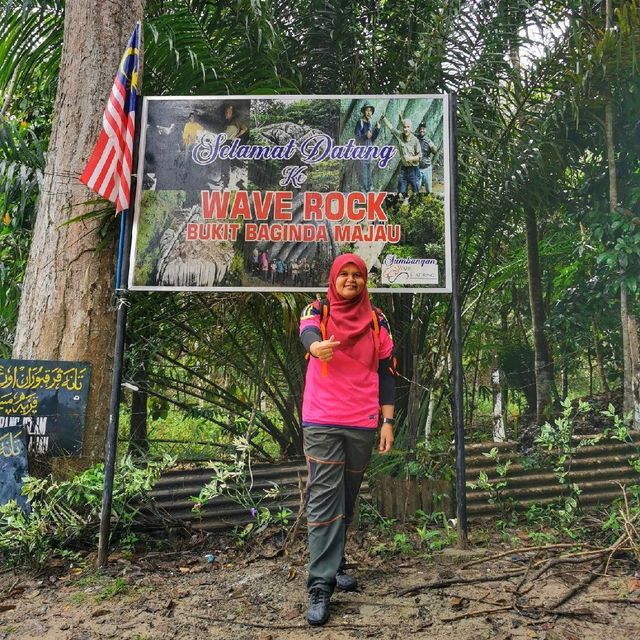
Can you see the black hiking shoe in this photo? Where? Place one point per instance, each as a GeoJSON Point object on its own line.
{"type": "Point", "coordinates": [345, 582]}
{"type": "Point", "coordinates": [318, 611]}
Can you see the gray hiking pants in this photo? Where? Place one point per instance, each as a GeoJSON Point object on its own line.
{"type": "Point", "coordinates": [336, 458]}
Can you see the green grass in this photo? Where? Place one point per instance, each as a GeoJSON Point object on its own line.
{"type": "Point", "coordinates": [117, 588]}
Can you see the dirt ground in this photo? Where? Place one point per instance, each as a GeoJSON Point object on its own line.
{"type": "Point", "coordinates": [216, 591]}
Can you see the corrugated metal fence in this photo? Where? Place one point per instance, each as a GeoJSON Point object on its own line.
{"type": "Point", "coordinates": [596, 469]}
{"type": "Point", "coordinates": [174, 490]}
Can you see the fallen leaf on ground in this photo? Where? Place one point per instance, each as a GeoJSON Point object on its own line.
{"type": "Point", "coordinates": [457, 602]}
{"type": "Point", "coordinates": [202, 568]}
{"type": "Point", "coordinates": [168, 610]}
{"type": "Point", "coordinates": [633, 584]}
{"type": "Point", "coordinates": [291, 614]}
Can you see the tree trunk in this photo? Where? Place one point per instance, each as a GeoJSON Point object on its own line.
{"type": "Point", "coordinates": [66, 307]}
{"type": "Point", "coordinates": [401, 319]}
{"type": "Point", "coordinates": [590, 366]}
{"type": "Point", "coordinates": [471, 402]}
{"type": "Point", "coordinates": [497, 387]}
{"type": "Point", "coordinates": [634, 351]}
{"type": "Point", "coordinates": [545, 386]}
{"type": "Point", "coordinates": [138, 435]}
{"type": "Point", "coordinates": [437, 378]}
{"type": "Point", "coordinates": [599, 360]}
{"type": "Point", "coordinates": [631, 372]}
{"type": "Point", "coordinates": [413, 409]}
{"type": "Point", "coordinates": [627, 393]}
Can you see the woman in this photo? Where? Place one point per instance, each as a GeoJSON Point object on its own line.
{"type": "Point", "coordinates": [349, 384]}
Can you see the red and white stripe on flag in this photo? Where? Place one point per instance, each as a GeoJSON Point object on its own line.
{"type": "Point", "coordinates": [108, 171]}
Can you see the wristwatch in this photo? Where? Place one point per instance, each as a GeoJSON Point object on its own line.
{"type": "Point", "coordinates": [390, 421]}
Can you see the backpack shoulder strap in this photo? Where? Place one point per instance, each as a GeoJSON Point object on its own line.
{"type": "Point", "coordinates": [375, 320]}
{"type": "Point", "coordinates": [324, 316]}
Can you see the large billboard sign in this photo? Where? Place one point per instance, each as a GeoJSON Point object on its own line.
{"type": "Point", "coordinates": [246, 193]}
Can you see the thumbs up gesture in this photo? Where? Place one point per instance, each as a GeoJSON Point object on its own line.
{"type": "Point", "coordinates": [323, 350]}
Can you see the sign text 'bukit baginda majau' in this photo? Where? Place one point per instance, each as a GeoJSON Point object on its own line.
{"type": "Point", "coordinates": [275, 210]}
{"type": "Point", "coordinates": [263, 193]}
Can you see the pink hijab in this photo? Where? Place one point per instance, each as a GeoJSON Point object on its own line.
{"type": "Point", "coordinates": [350, 320]}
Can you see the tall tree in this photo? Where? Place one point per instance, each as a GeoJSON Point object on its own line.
{"type": "Point", "coordinates": [607, 89]}
{"type": "Point", "coordinates": [66, 307]}
{"type": "Point", "coordinates": [515, 12]}
{"type": "Point", "coordinates": [545, 386]}
{"type": "Point", "coordinates": [631, 375]}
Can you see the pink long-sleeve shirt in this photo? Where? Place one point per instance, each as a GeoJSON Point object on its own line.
{"type": "Point", "coordinates": [347, 396]}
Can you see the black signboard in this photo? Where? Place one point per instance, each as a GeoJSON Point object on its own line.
{"type": "Point", "coordinates": [48, 401]}
{"type": "Point", "coordinates": [13, 461]}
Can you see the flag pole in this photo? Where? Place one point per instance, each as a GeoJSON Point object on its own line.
{"type": "Point", "coordinates": [122, 268]}
{"type": "Point", "coordinates": [114, 402]}
{"type": "Point", "coordinates": [111, 445]}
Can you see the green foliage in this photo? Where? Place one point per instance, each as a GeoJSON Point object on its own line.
{"type": "Point", "coordinates": [191, 435]}
{"type": "Point", "coordinates": [215, 357]}
{"type": "Point", "coordinates": [369, 516]}
{"type": "Point", "coordinates": [422, 222]}
{"type": "Point", "coordinates": [231, 478]}
{"type": "Point", "coordinates": [401, 544]}
{"type": "Point", "coordinates": [620, 518]}
{"type": "Point", "coordinates": [235, 480]}
{"type": "Point", "coordinates": [556, 449]}
{"type": "Point", "coordinates": [619, 233]}
{"type": "Point", "coordinates": [432, 460]}
{"type": "Point", "coordinates": [64, 516]}
{"type": "Point", "coordinates": [200, 47]}
{"type": "Point", "coordinates": [432, 539]}
{"type": "Point", "coordinates": [542, 537]}
{"type": "Point", "coordinates": [496, 488]}
{"type": "Point", "coordinates": [23, 60]}
{"type": "Point", "coordinates": [555, 440]}
{"type": "Point", "coordinates": [14, 251]}
{"type": "Point", "coordinates": [430, 532]}
{"type": "Point", "coordinates": [21, 169]}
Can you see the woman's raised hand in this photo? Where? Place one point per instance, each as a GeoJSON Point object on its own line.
{"type": "Point", "coordinates": [323, 350]}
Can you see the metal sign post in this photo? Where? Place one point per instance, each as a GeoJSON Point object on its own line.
{"type": "Point", "coordinates": [114, 407]}
{"type": "Point", "coordinates": [458, 402]}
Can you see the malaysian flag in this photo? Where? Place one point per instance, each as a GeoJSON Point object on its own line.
{"type": "Point", "coordinates": [108, 171]}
